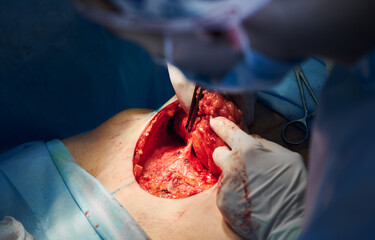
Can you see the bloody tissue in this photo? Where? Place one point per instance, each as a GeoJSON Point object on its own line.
{"type": "Point", "coordinates": [169, 161]}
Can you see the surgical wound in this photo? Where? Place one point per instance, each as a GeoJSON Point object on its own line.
{"type": "Point", "coordinates": [169, 161]}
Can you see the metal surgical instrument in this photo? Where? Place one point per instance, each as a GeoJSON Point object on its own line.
{"type": "Point", "coordinates": [194, 107]}
{"type": "Point", "coordinates": [301, 121]}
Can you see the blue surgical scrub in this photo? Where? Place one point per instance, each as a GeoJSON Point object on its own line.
{"type": "Point", "coordinates": [61, 74]}
{"type": "Point", "coordinates": [285, 97]}
{"type": "Point", "coordinates": [341, 185]}
{"type": "Point", "coordinates": [44, 188]}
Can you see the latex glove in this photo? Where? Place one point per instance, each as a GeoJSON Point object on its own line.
{"type": "Point", "coordinates": [200, 53]}
{"type": "Point", "coordinates": [261, 191]}
{"type": "Point", "coordinates": [229, 64]}
{"type": "Point", "coordinates": [224, 62]}
{"type": "Point", "coordinates": [211, 45]}
{"type": "Point", "coordinates": [11, 229]}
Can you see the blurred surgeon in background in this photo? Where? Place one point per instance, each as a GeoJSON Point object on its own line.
{"type": "Point", "coordinates": [61, 74]}
{"type": "Point", "coordinates": [338, 200]}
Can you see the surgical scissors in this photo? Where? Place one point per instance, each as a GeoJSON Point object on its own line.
{"type": "Point", "coordinates": [301, 121]}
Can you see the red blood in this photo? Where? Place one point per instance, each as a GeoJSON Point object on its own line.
{"type": "Point", "coordinates": [171, 162]}
{"type": "Point", "coordinates": [205, 141]}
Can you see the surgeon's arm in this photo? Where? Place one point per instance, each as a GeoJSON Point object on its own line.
{"type": "Point", "coordinates": [342, 30]}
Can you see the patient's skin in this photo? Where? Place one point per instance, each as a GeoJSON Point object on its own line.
{"type": "Point", "coordinates": [107, 153]}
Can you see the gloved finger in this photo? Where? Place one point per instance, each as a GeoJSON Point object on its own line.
{"type": "Point", "coordinates": [231, 133]}
{"type": "Point", "coordinates": [221, 155]}
{"type": "Point", "coordinates": [10, 228]}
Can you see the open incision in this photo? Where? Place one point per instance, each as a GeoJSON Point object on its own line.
{"type": "Point", "coordinates": [171, 162]}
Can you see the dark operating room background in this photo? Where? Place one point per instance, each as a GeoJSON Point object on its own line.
{"type": "Point", "coordinates": [61, 74]}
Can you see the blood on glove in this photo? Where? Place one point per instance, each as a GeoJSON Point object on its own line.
{"type": "Point", "coordinates": [261, 191]}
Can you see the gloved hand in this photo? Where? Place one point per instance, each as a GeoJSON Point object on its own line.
{"type": "Point", "coordinates": [261, 191]}
{"type": "Point", "coordinates": [11, 229]}
{"type": "Point", "coordinates": [200, 53]}
{"type": "Point", "coordinates": [225, 61]}
{"type": "Point", "coordinates": [209, 40]}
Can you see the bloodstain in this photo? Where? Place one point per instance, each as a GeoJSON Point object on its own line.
{"type": "Point", "coordinates": [181, 213]}
{"type": "Point", "coordinates": [247, 216]}
{"type": "Point", "coordinates": [115, 136]}
{"type": "Point", "coordinates": [169, 161]}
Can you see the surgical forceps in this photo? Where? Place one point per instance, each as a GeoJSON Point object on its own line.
{"type": "Point", "coordinates": [194, 107]}
{"type": "Point", "coordinates": [301, 121]}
